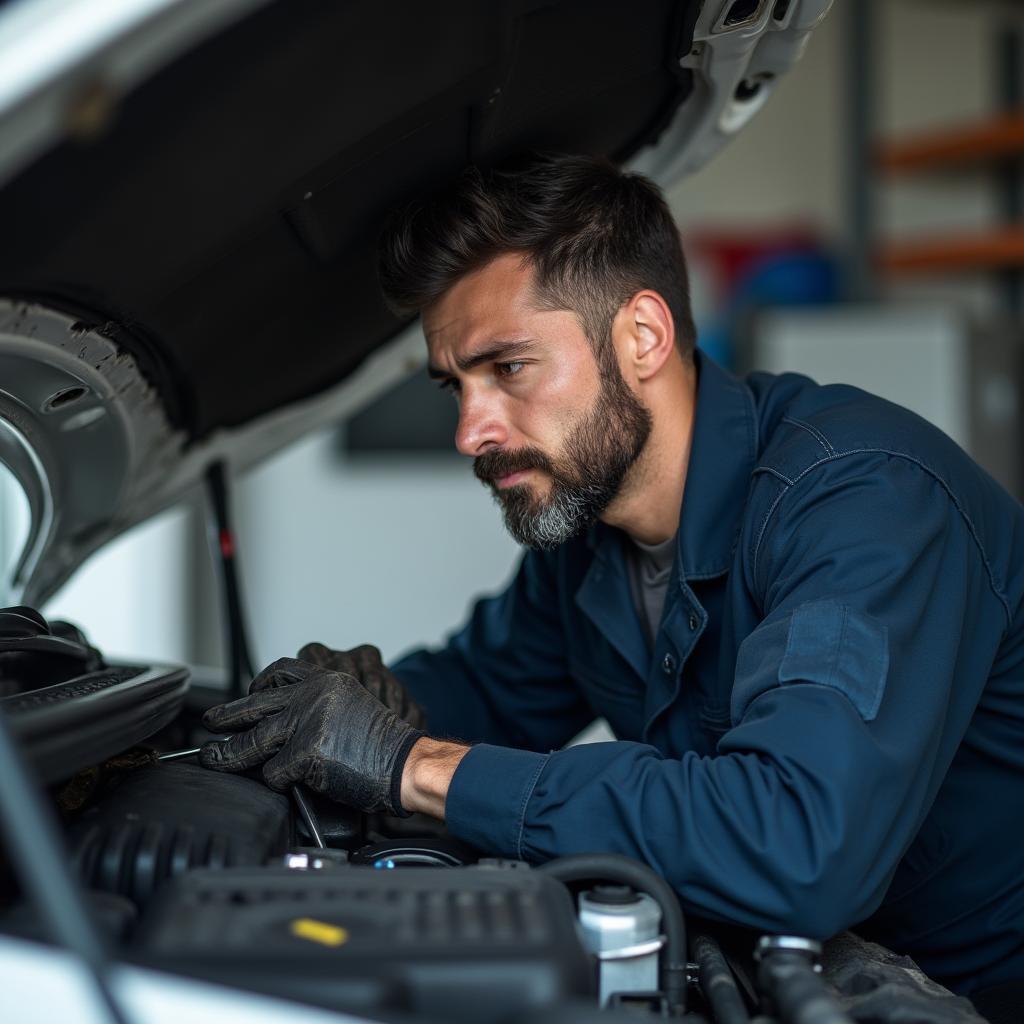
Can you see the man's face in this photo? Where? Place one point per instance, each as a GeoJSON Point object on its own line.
{"type": "Point", "coordinates": [549, 432]}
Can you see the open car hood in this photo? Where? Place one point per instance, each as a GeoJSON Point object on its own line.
{"type": "Point", "coordinates": [190, 196]}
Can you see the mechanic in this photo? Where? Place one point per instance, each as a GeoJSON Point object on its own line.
{"type": "Point", "coordinates": [798, 607]}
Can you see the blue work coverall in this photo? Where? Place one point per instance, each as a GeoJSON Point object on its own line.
{"type": "Point", "coordinates": [829, 729]}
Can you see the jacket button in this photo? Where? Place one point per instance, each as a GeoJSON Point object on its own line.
{"type": "Point", "coordinates": [693, 621]}
{"type": "Point", "coordinates": [668, 664]}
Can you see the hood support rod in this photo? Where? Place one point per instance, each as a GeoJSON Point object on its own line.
{"type": "Point", "coordinates": [223, 552]}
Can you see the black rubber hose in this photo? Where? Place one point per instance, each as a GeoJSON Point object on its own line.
{"type": "Point", "coordinates": [798, 991]}
{"type": "Point", "coordinates": [718, 983]}
{"type": "Point", "coordinates": [612, 867]}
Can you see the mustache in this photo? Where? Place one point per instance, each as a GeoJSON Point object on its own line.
{"type": "Point", "coordinates": [499, 463]}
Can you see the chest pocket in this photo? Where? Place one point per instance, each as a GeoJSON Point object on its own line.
{"type": "Point", "coordinates": [613, 691]}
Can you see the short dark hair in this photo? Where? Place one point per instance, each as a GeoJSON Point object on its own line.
{"type": "Point", "coordinates": [594, 235]}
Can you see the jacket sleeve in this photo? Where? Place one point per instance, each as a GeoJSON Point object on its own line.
{"type": "Point", "coordinates": [503, 677]}
{"type": "Point", "coordinates": [845, 718]}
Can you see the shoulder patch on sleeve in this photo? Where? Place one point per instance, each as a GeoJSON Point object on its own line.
{"type": "Point", "coordinates": [834, 645]}
{"type": "Point", "coordinates": [822, 642]}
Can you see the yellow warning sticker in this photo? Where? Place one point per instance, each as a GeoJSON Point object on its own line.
{"type": "Point", "coordinates": [319, 931]}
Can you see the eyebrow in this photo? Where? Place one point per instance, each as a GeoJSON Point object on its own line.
{"type": "Point", "coordinates": [495, 350]}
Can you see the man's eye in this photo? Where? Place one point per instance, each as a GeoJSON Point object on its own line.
{"type": "Point", "coordinates": [509, 369]}
{"type": "Point", "coordinates": [450, 386]}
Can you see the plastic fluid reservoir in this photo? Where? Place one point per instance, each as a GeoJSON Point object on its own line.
{"type": "Point", "coordinates": [622, 928]}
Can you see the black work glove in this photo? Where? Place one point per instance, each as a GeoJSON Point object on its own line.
{"type": "Point", "coordinates": [307, 724]}
{"type": "Point", "coordinates": [878, 986]}
{"type": "Point", "coordinates": [365, 663]}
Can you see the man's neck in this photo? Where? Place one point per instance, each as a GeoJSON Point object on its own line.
{"type": "Point", "coordinates": [648, 506]}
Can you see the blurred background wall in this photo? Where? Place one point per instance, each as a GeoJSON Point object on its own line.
{"type": "Point", "coordinates": [784, 231]}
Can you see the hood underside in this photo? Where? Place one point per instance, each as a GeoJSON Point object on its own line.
{"type": "Point", "coordinates": [200, 238]}
{"type": "Point", "coordinates": [227, 215]}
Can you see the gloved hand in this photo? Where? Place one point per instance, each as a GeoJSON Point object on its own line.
{"type": "Point", "coordinates": [364, 662]}
{"type": "Point", "coordinates": [307, 724]}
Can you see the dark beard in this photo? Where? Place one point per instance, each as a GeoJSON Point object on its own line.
{"type": "Point", "coordinates": [589, 473]}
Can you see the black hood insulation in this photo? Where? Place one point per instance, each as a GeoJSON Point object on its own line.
{"type": "Point", "coordinates": [223, 226]}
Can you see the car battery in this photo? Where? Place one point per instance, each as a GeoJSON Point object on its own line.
{"type": "Point", "coordinates": [452, 943]}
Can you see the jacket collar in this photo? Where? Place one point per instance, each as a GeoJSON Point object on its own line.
{"type": "Point", "coordinates": [723, 453]}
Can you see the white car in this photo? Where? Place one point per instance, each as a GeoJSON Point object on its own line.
{"type": "Point", "coordinates": [190, 192]}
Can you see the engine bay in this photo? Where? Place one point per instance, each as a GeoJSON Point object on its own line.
{"type": "Point", "coordinates": [216, 877]}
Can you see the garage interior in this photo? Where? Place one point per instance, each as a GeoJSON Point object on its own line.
{"type": "Point", "coordinates": [867, 227]}
{"type": "Point", "coordinates": [876, 195]}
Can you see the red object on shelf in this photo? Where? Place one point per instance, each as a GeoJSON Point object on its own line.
{"type": "Point", "coordinates": [731, 254]}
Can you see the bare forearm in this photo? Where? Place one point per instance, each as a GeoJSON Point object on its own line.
{"type": "Point", "coordinates": [428, 773]}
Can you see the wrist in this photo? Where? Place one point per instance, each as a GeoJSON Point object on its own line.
{"type": "Point", "coordinates": [398, 771]}
{"type": "Point", "coordinates": [427, 774]}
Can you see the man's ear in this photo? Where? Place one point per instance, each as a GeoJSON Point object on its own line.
{"type": "Point", "coordinates": [646, 333]}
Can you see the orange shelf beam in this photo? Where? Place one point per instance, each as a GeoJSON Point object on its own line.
{"type": "Point", "coordinates": [998, 138]}
{"type": "Point", "coordinates": [1000, 248]}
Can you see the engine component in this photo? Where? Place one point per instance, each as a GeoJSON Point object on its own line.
{"type": "Point", "coordinates": [315, 859]}
{"type": "Point", "coordinates": [340, 827]}
{"type": "Point", "coordinates": [113, 916]}
{"type": "Point", "coordinates": [70, 725]}
{"type": "Point", "coordinates": [163, 819]}
{"type": "Point", "coordinates": [595, 867]}
{"type": "Point", "coordinates": [69, 708]}
{"type": "Point", "coordinates": [622, 928]}
{"type": "Point", "coordinates": [877, 984]}
{"type": "Point", "coordinates": [461, 944]}
{"type": "Point", "coordinates": [34, 652]}
{"type": "Point", "coordinates": [179, 755]}
{"type": "Point", "coordinates": [309, 818]}
{"type": "Point", "coordinates": [718, 983]}
{"type": "Point", "coordinates": [790, 977]}
{"type": "Point", "coordinates": [439, 852]}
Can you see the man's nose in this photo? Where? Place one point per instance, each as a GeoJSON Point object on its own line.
{"type": "Point", "coordinates": [481, 425]}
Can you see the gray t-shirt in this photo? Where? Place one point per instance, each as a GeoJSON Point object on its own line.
{"type": "Point", "coordinates": [650, 566]}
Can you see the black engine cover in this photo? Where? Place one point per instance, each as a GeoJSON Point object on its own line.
{"type": "Point", "coordinates": [455, 944]}
{"type": "Point", "coordinates": [164, 819]}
